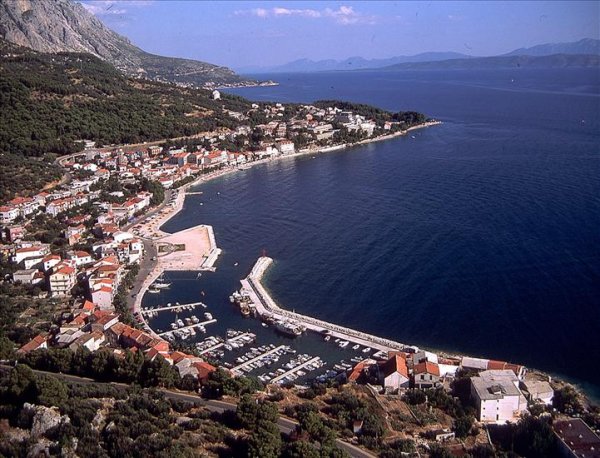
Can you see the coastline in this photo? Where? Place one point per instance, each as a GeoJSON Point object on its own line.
{"type": "Point", "coordinates": [226, 171]}
{"type": "Point", "coordinates": [155, 233]}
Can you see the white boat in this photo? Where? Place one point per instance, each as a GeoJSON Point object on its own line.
{"type": "Point", "coordinates": [343, 344]}
{"type": "Point", "coordinates": [152, 290]}
{"type": "Point", "coordinates": [367, 350]}
{"type": "Point", "coordinates": [289, 328]}
{"type": "Point", "coordinates": [195, 319]}
{"type": "Point", "coordinates": [180, 323]}
{"type": "Point", "coordinates": [356, 347]}
{"type": "Point", "coordinates": [208, 316]}
{"type": "Point", "coordinates": [327, 338]}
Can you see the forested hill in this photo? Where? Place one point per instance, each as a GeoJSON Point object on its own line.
{"type": "Point", "coordinates": [50, 101]}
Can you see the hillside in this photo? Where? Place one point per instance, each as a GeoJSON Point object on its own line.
{"type": "Point", "coordinates": [497, 62]}
{"type": "Point", "coordinates": [50, 101]}
{"type": "Point", "coordinates": [585, 46]}
{"type": "Point", "coordinates": [66, 26]}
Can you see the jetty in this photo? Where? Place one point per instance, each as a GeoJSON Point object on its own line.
{"type": "Point", "coordinates": [195, 325]}
{"type": "Point", "coordinates": [266, 306]}
{"type": "Point", "coordinates": [240, 367]}
{"type": "Point", "coordinates": [295, 369]}
{"type": "Point", "coordinates": [175, 308]}
{"type": "Point", "coordinates": [221, 344]}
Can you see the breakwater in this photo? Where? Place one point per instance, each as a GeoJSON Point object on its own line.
{"type": "Point", "coordinates": [266, 306]}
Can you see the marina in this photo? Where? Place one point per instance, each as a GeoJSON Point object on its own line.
{"type": "Point", "coordinates": [184, 328]}
{"type": "Point", "coordinates": [296, 369]}
{"type": "Point", "coordinates": [243, 366]}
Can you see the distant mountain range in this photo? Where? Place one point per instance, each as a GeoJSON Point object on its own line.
{"type": "Point", "coordinates": [352, 63]}
{"type": "Point", "coordinates": [580, 53]}
{"type": "Point", "coordinates": [66, 26]}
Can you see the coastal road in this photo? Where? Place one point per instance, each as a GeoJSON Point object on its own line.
{"type": "Point", "coordinates": [286, 425]}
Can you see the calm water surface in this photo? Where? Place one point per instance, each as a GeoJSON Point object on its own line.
{"type": "Point", "coordinates": [481, 235]}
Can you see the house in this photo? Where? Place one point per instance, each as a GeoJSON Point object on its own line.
{"type": "Point", "coordinates": [50, 261]}
{"type": "Point", "coordinates": [62, 279]}
{"type": "Point", "coordinates": [81, 258]}
{"type": "Point", "coordinates": [576, 439]}
{"type": "Point", "coordinates": [34, 252]}
{"type": "Point", "coordinates": [102, 320]}
{"type": "Point", "coordinates": [497, 396]}
{"type": "Point", "coordinates": [8, 214]}
{"type": "Point", "coordinates": [285, 147]}
{"type": "Point", "coordinates": [426, 375]}
{"type": "Point", "coordinates": [537, 391]}
{"type": "Point", "coordinates": [216, 95]}
{"type": "Point", "coordinates": [393, 373]}
{"type": "Point", "coordinates": [38, 342]}
{"type": "Point", "coordinates": [91, 341]}
{"type": "Point", "coordinates": [27, 276]}
{"type": "Point", "coordinates": [204, 370]}
{"type": "Point", "coordinates": [13, 233]}
{"type": "Point", "coordinates": [102, 295]}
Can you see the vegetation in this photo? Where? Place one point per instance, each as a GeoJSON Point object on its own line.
{"type": "Point", "coordinates": [50, 102]}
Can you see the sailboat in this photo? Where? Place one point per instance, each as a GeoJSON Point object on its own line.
{"type": "Point", "coordinates": [160, 283]}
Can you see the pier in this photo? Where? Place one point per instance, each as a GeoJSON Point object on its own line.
{"type": "Point", "coordinates": [266, 305]}
{"type": "Point", "coordinates": [238, 369]}
{"type": "Point", "coordinates": [175, 308]}
{"type": "Point", "coordinates": [294, 370]}
{"type": "Point", "coordinates": [220, 344]}
{"type": "Point", "coordinates": [195, 325]}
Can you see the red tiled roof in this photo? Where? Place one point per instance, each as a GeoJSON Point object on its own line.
{"type": "Point", "coordinates": [396, 363]}
{"type": "Point", "coordinates": [427, 367]}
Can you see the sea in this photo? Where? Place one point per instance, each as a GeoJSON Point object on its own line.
{"type": "Point", "coordinates": [478, 236]}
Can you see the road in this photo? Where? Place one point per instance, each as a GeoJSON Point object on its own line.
{"type": "Point", "coordinates": [286, 425]}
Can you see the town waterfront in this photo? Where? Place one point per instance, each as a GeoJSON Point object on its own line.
{"type": "Point", "coordinates": [479, 235]}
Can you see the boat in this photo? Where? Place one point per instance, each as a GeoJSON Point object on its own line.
{"type": "Point", "coordinates": [367, 350]}
{"type": "Point", "coordinates": [152, 290]}
{"type": "Point", "coordinates": [245, 309]}
{"type": "Point", "coordinates": [327, 338]}
{"type": "Point", "coordinates": [343, 344]}
{"type": "Point", "coordinates": [195, 319]}
{"type": "Point", "coordinates": [288, 328]}
{"type": "Point", "coordinates": [180, 323]}
{"type": "Point", "coordinates": [356, 347]}
{"type": "Point", "coordinates": [160, 283]}
{"type": "Point", "coordinates": [208, 315]}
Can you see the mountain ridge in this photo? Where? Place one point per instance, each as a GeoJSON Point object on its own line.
{"type": "Point", "coordinates": [67, 26]}
{"type": "Point", "coordinates": [585, 46]}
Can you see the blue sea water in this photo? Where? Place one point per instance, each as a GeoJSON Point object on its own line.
{"type": "Point", "coordinates": [481, 235]}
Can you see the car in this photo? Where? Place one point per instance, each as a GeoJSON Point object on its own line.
{"type": "Point", "coordinates": [154, 258]}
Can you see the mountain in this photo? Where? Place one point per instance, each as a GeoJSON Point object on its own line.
{"type": "Point", "coordinates": [585, 46]}
{"type": "Point", "coordinates": [351, 63]}
{"type": "Point", "coordinates": [497, 62]}
{"type": "Point", "coordinates": [66, 26]}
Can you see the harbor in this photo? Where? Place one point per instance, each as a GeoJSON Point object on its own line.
{"type": "Point", "coordinates": [266, 308]}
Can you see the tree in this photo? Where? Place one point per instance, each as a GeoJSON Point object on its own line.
{"type": "Point", "coordinates": [246, 412]}
{"type": "Point", "coordinates": [265, 441]}
{"type": "Point", "coordinates": [49, 391]}
{"type": "Point", "coordinates": [462, 426]}
{"type": "Point", "coordinates": [300, 449]}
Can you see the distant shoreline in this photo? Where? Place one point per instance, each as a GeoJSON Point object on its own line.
{"type": "Point", "coordinates": [319, 150]}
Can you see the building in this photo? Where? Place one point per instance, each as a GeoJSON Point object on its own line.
{"type": "Point", "coordinates": [62, 280]}
{"type": "Point", "coordinates": [285, 147]}
{"type": "Point", "coordinates": [393, 373]}
{"type": "Point", "coordinates": [38, 342]}
{"type": "Point", "coordinates": [537, 391]}
{"type": "Point", "coordinates": [216, 95]}
{"type": "Point", "coordinates": [28, 276]}
{"type": "Point", "coordinates": [497, 396]}
{"type": "Point", "coordinates": [36, 252]}
{"type": "Point", "coordinates": [92, 341]}
{"type": "Point", "coordinates": [576, 439]}
{"type": "Point", "coordinates": [8, 214]}
{"type": "Point", "coordinates": [426, 375]}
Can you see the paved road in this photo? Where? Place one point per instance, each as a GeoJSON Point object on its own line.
{"type": "Point", "coordinates": [285, 425]}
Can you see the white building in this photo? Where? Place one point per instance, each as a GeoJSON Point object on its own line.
{"type": "Point", "coordinates": [216, 95]}
{"type": "Point", "coordinates": [393, 374]}
{"type": "Point", "coordinates": [285, 147]}
{"type": "Point", "coordinates": [497, 396]}
{"type": "Point", "coordinates": [62, 280]}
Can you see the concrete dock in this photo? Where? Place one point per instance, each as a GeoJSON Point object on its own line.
{"type": "Point", "coordinates": [294, 370]}
{"type": "Point", "coordinates": [265, 305]}
{"type": "Point", "coordinates": [174, 308]}
{"type": "Point", "coordinates": [238, 369]}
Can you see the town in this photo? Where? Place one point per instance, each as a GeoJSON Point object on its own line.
{"type": "Point", "coordinates": [79, 249]}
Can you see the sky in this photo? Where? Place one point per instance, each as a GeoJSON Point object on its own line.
{"type": "Point", "coordinates": [241, 34]}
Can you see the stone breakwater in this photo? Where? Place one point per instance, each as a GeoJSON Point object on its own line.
{"type": "Point", "coordinates": [265, 305]}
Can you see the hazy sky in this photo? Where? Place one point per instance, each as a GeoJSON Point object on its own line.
{"type": "Point", "coordinates": [239, 34]}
